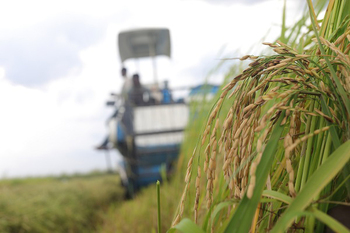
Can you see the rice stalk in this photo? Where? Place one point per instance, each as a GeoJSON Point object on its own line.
{"type": "Point", "coordinates": [289, 112]}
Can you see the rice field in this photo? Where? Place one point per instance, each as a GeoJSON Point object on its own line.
{"type": "Point", "coordinates": [269, 154]}
{"type": "Point", "coordinates": [57, 204]}
{"type": "Point", "coordinates": [274, 154]}
{"type": "Point", "coordinates": [274, 151]}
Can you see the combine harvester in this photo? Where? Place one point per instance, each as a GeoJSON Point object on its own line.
{"type": "Point", "coordinates": [148, 136]}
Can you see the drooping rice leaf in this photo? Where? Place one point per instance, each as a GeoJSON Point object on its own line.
{"type": "Point", "coordinates": [186, 226]}
{"type": "Point", "coordinates": [321, 177]}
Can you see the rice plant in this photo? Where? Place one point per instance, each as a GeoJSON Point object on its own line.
{"type": "Point", "coordinates": [274, 155]}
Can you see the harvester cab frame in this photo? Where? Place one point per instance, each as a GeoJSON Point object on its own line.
{"type": "Point", "coordinates": [148, 136]}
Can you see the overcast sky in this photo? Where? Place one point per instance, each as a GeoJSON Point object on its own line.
{"type": "Point", "coordinates": [59, 62]}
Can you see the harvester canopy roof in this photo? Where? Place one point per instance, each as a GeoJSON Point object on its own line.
{"type": "Point", "coordinates": [139, 43]}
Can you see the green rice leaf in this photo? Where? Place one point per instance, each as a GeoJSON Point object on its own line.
{"type": "Point", "coordinates": [322, 176]}
{"type": "Point", "coordinates": [186, 226]}
{"type": "Point", "coordinates": [329, 221]}
{"type": "Point", "coordinates": [218, 208]}
{"type": "Point", "coordinates": [278, 196]}
{"type": "Point", "coordinates": [336, 143]}
{"type": "Point", "coordinates": [283, 28]}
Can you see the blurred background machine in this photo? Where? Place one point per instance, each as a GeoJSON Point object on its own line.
{"type": "Point", "coordinates": [147, 124]}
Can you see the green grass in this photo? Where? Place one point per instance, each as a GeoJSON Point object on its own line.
{"type": "Point", "coordinates": [56, 204]}
{"type": "Point", "coordinates": [319, 143]}
{"type": "Point", "coordinates": [140, 214]}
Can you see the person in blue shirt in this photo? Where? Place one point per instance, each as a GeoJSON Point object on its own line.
{"type": "Point", "coordinates": [167, 98]}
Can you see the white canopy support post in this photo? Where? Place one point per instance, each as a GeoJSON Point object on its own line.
{"type": "Point", "coordinates": [155, 71]}
{"type": "Point", "coordinates": [137, 63]}
{"type": "Point", "coordinates": [152, 48]}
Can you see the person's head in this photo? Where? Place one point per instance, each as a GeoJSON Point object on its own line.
{"type": "Point", "coordinates": [136, 80]}
{"type": "Point", "coordinates": [124, 72]}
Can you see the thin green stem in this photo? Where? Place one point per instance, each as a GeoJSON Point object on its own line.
{"type": "Point", "coordinates": [158, 201]}
{"type": "Point", "coordinates": [320, 141]}
{"type": "Point", "coordinates": [308, 155]}
{"type": "Point", "coordinates": [298, 182]}
{"type": "Point", "coordinates": [299, 174]}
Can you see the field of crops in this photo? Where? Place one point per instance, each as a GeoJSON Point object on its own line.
{"type": "Point", "coordinates": [272, 153]}
{"type": "Point", "coordinates": [57, 204]}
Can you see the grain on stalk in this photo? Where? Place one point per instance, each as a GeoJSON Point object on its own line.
{"type": "Point", "coordinates": [302, 92]}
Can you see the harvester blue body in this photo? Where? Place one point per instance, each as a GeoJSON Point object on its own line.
{"type": "Point", "coordinates": [148, 136]}
{"type": "Point", "coordinates": [149, 139]}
